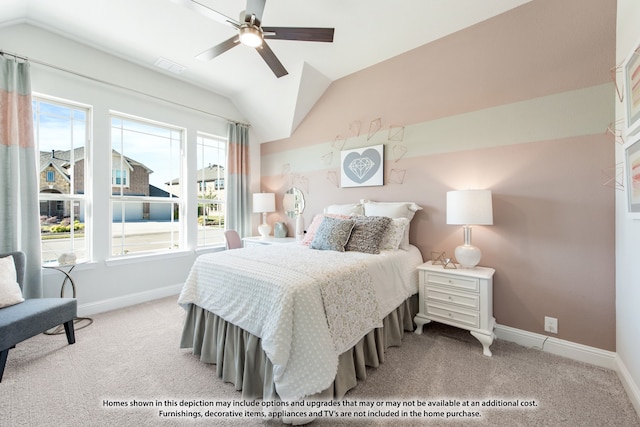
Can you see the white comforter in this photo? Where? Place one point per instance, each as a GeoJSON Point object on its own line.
{"type": "Point", "coordinates": [307, 306]}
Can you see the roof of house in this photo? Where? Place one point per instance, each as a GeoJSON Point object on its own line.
{"type": "Point", "coordinates": [61, 159]}
{"type": "Point", "coordinates": [210, 173]}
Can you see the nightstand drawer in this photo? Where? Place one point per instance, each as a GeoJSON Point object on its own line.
{"type": "Point", "coordinates": [450, 314]}
{"type": "Point", "coordinates": [471, 301]}
{"type": "Point", "coordinates": [468, 284]}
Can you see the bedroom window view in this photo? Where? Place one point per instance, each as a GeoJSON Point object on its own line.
{"type": "Point", "coordinates": [61, 134]}
{"type": "Point", "coordinates": [212, 156]}
{"type": "Point", "coordinates": [145, 200]}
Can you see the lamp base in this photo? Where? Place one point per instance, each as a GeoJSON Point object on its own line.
{"type": "Point", "coordinates": [299, 227]}
{"type": "Point", "coordinates": [264, 230]}
{"type": "Point", "coordinates": [467, 255]}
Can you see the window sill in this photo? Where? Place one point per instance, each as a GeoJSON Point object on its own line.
{"type": "Point", "coordinates": [210, 249]}
{"type": "Point", "coordinates": [140, 258]}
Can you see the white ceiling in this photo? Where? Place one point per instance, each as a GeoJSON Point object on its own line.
{"type": "Point", "coordinates": [366, 32]}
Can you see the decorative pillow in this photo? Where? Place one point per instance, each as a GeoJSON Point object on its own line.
{"type": "Point", "coordinates": [345, 209]}
{"type": "Point", "coordinates": [10, 293]}
{"type": "Point", "coordinates": [393, 236]}
{"type": "Point", "coordinates": [393, 210]}
{"type": "Point", "coordinates": [315, 223]}
{"type": "Point", "coordinates": [333, 234]}
{"type": "Point", "coordinates": [367, 234]}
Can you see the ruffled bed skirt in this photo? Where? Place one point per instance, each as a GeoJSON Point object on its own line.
{"type": "Point", "coordinates": [239, 358]}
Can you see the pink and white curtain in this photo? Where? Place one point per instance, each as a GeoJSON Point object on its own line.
{"type": "Point", "coordinates": [19, 207]}
{"type": "Point", "coordinates": [238, 215]}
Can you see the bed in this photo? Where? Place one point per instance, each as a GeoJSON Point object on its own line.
{"type": "Point", "coordinates": [290, 321]}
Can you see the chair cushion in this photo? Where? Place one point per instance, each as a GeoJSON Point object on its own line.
{"type": "Point", "coordinates": [10, 292]}
{"type": "Point", "coordinates": [32, 317]}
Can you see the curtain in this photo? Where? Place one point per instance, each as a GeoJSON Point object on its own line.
{"type": "Point", "coordinates": [19, 207]}
{"type": "Point", "coordinates": [238, 206]}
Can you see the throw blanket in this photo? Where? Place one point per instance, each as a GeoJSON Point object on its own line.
{"type": "Point", "coordinates": [307, 306]}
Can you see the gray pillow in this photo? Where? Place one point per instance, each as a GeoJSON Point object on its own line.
{"type": "Point", "coordinates": [332, 234]}
{"type": "Point", "coordinates": [367, 234]}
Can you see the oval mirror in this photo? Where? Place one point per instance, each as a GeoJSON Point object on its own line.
{"type": "Point", "coordinates": [293, 202]}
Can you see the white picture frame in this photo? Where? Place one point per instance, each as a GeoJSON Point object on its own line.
{"type": "Point", "coordinates": [631, 71]}
{"type": "Point", "coordinates": [362, 167]}
{"type": "Point", "coordinates": [632, 176]}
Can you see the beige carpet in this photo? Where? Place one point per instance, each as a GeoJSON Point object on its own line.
{"type": "Point", "coordinates": [132, 354]}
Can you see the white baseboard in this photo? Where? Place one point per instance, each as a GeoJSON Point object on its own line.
{"type": "Point", "coordinates": [579, 352]}
{"type": "Point", "coordinates": [582, 353]}
{"type": "Point", "coordinates": [629, 385]}
{"type": "Point", "coordinates": [127, 300]}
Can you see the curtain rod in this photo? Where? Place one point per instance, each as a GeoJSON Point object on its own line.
{"type": "Point", "coordinates": [84, 76]}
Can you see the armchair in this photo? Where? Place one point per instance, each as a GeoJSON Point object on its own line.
{"type": "Point", "coordinates": [33, 316]}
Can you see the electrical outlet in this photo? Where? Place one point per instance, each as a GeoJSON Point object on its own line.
{"type": "Point", "coordinates": [551, 324]}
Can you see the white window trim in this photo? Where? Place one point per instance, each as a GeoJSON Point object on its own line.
{"type": "Point", "coordinates": [87, 196]}
{"type": "Point", "coordinates": [181, 221]}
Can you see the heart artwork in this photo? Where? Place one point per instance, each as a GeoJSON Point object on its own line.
{"type": "Point", "coordinates": [360, 167]}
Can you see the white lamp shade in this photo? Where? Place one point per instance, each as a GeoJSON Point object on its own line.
{"type": "Point", "coordinates": [469, 207]}
{"type": "Point", "coordinates": [264, 202]}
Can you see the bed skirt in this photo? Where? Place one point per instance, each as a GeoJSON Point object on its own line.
{"type": "Point", "coordinates": [239, 358]}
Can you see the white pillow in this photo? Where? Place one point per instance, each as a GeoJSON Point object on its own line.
{"type": "Point", "coordinates": [392, 237]}
{"type": "Point", "coordinates": [10, 293]}
{"type": "Point", "coordinates": [393, 210]}
{"type": "Point", "coordinates": [345, 209]}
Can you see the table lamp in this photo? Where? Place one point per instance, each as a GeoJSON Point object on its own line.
{"type": "Point", "coordinates": [467, 208]}
{"type": "Point", "coordinates": [263, 203]}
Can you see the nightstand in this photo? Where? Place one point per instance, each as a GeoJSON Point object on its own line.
{"type": "Point", "coordinates": [269, 240]}
{"type": "Point", "coordinates": [461, 297]}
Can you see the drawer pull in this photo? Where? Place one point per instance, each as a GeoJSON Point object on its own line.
{"type": "Point", "coordinates": [450, 314]}
{"type": "Point", "coordinates": [450, 298]}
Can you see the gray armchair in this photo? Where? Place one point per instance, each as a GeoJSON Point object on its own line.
{"type": "Point", "coordinates": [33, 316]}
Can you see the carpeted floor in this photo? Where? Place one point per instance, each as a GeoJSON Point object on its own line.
{"type": "Point", "coordinates": [131, 356]}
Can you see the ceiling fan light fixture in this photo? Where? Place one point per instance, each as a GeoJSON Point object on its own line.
{"type": "Point", "coordinates": [250, 35]}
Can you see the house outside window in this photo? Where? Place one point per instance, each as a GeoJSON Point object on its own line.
{"type": "Point", "coordinates": [211, 157]}
{"type": "Point", "coordinates": [61, 131]}
{"type": "Point", "coordinates": [145, 155]}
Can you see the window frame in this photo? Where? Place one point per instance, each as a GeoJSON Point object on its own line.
{"type": "Point", "coordinates": [201, 201]}
{"type": "Point", "coordinates": [86, 197]}
{"type": "Point", "coordinates": [124, 199]}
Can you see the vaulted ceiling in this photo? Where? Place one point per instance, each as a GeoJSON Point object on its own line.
{"type": "Point", "coordinates": [366, 32]}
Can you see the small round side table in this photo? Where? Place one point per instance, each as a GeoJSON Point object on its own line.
{"type": "Point", "coordinates": [66, 270]}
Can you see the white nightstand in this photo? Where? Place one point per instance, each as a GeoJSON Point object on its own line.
{"type": "Point", "coordinates": [459, 297]}
{"type": "Point", "coordinates": [269, 240]}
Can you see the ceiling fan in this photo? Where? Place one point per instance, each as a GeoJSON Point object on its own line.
{"type": "Point", "coordinates": [251, 33]}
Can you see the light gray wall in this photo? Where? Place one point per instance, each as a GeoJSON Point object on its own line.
{"type": "Point", "coordinates": [106, 284]}
{"type": "Point", "coordinates": [627, 232]}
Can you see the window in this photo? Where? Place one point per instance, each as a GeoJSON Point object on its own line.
{"type": "Point", "coordinates": [119, 177]}
{"type": "Point", "coordinates": [145, 203]}
{"type": "Point", "coordinates": [212, 158]}
{"type": "Point", "coordinates": [61, 132]}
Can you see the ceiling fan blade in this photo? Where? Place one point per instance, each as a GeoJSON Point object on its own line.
{"type": "Point", "coordinates": [272, 61]}
{"type": "Point", "coordinates": [254, 7]}
{"type": "Point", "coordinates": [299, 33]}
{"type": "Point", "coordinates": [219, 48]}
{"type": "Point", "coordinates": [208, 12]}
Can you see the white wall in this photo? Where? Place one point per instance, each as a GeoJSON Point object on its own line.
{"type": "Point", "coordinates": [106, 284]}
{"type": "Point", "coordinates": [627, 234]}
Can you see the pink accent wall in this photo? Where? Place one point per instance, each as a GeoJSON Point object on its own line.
{"type": "Point", "coordinates": [552, 242]}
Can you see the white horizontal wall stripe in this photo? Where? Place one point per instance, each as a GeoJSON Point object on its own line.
{"type": "Point", "coordinates": [567, 114]}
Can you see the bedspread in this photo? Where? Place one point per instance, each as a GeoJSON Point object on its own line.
{"type": "Point", "coordinates": [307, 306]}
